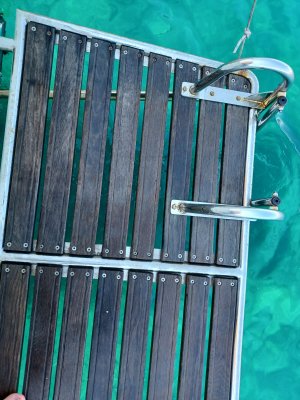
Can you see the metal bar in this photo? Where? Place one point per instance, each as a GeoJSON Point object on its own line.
{"type": "Point", "coordinates": [7, 44]}
{"type": "Point", "coordinates": [223, 211]}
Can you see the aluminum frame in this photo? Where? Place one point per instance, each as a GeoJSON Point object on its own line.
{"type": "Point", "coordinates": [17, 45]}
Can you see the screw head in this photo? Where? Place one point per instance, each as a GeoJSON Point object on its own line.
{"type": "Point", "coordinates": [245, 86]}
{"type": "Point", "coordinates": [179, 256]}
{"type": "Point", "coordinates": [64, 37]}
{"type": "Point", "coordinates": [41, 271]}
{"type": "Point", "coordinates": [41, 246]}
{"type": "Point", "coordinates": [8, 244]}
{"type": "Point", "coordinates": [134, 253]}
{"type": "Point", "coordinates": [149, 254]}
{"type": "Point", "coordinates": [72, 273]}
{"type": "Point", "coordinates": [207, 258]}
{"type": "Point", "coordinates": [194, 68]}
{"type": "Point", "coordinates": [167, 62]}
{"type": "Point", "coordinates": [148, 278]}
{"type": "Point", "coordinates": [154, 59]}
{"type": "Point", "coordinates": [89, 249]}
{"type": "Point", "coordinates": [7, 269]}
{"type": "Point", "coordinates": [57, 247]}
{"type": "Point", "coordinates": [192, 281]}
{"type": "Point", "coordinates": [96, 44]}
{"type": "Point", "coordinates": [180, 66]}
{"type": "Point", "coordinates": [219, 283]}
{"type": "Point", "coordinates": [134, 276]}
{"type": "Point", "coordinates": [80, 41]}
{"type": "Point", "coordinates": [176, 280]}
{"type": "Point", "coordinates": [106, 251]}
{"type": "Point", "coordinates": [194, 256]}
{"type": "Point", "coordinates": [33, 28]}
{"type": "Point", "coordinates": [125, 52]}
{"type": "Point", "coordinates": [212, 93]}
{"type": "Point", "coordinates": [23, 270]}
{"type": "Point", "coordinates": [110, 48]}
{"type": "Point", "coordinates": [221, 259]}
{"type": "Point", "coordinates": [56, 273]}
{"type": "Point", "coordinates": [103, 275]}
{"type": "Point", "coordinates": [25, 245]}
{"type": "Point", "coordinates": [205, 283]}
{"type": "Point", "coordinates": [74, 248]}
{"type": "Point", "coordinates": [118, 277]}
{"type": "Point", "coordinates": [121, 251]}
{"type": "Point", "coordinates": [163, 279]}
{"type": "Point", "coordinates": [87, 274]}
{"type": "Point", "coordinates": [234, 261]}
{"type": "Point", "coordinates": [166, 255]}
{"type": "Point", "coordinates": [207, 73]}
{"type": "Point", "coordinates": [232, 80]}
{"type": "Point", "coordinates": [232, 284]}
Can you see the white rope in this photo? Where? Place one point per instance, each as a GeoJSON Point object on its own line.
{"type": "Point", "coordinates": [247, 33]}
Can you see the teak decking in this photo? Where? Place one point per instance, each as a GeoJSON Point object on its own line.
{"type": "Point", "coordinates": [211, 169]}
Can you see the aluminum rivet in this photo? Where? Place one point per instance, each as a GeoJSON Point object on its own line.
{"type": "Point", "coordinates": [149, 254]}
{"type": "Point", "coordinates": [166, 255]}
{"type": "Point", "coordinates": [184, 89]}
{"type": "Point", "coordinates": [103, 275]}
{"type": "Point", "coordinates": [88, 249]}
{"type": "Point", "coordinates": [134, 276]}
{"type": "Point", "coordinates": [207, 73]}
{"type": "Point", "coordinates": [33, 28]}
{"type": "Point", "coordinates": [41, 246]}
{"type": "Point", "coordinates": [72, 273]}
{"type": "Point", "coordinates": [7, 269]}
{"type": "Point", "coordinates": [125, 52]}
{"type": "Point", "coordinates": [205, 283]}
{"type": "Point", "coordinates": [74, 248]}
{"type": "Point", "coordinates": [57, 247]}
{"type": "Point", "coordinates": [106, 251]}
{"type": "Point", "coordinates": [180, 66]}
{"type": "Point", "coordinates": [25, 245]}
{"type": "Point", "coordinates": [163, 279]}
{"type": "Point", "coordinates": [221, 259]}
{"type": "Point", "coordinates": [96, 44]}
{"type": "Point", "coordinates": [176, 280]}
{"type": "Point", "coordinates": [192, 281]}
{"type": "Point", "coordinates": [41, 271]}
{"type": "Point", "coordinates": [134, 253]}
{"type": "Point", "coordinates": [232, 284]}
{"type": "Point", "coordinates": [179, 256]}
{"type": "Point", "coordinates": [87, 274]}
{"type": "Point", "coordinates": [194, 256]}
{"type": "Point", "coordinates": [212, 93]}
{"type": "Point", "coordinates": [148, 278]}
{"type": "Point", "coordinates": [64, 37]}
{"type": "Point", "coordinates": [219, 283]}
{"type": "Point", "coordinates": [121, 251]}
{"type": "Point", "coordinates": [56, 273]}
{"type": "Point", "coordinates": [234, 260]}
{"type": "Point", "coordinates": [118, 277]}
{"type": "Point", "coordinates": [8, 244]}
{"type": "Point", "coordinates": [23, 270]}
{"type": "Point", "coordinates": [194, 68]}
{"type": "Point", "coordinates": [232, 80]}
{"type": "Point", "coordinates": [49, 33]}
{"type": "Point", "coordinates": [207, 258]}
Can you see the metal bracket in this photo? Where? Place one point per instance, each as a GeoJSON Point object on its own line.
{"type": "Point", "coordinates": [223, 211]}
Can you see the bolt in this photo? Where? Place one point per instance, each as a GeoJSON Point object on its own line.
{"type": "Point", "coordinates": [179, 256]}
{"type": "Point", "coordinates": [205, 283]}
{"type": "Point", "coordinates": [167, 62]}
{"type": "Point", "coordinates": [104, 275]}
{"type": "Point", "coordinates": [118, 277]}
{"type": "Point", "coordinates": [25, 245]}
{"type": "Point", "coordinates": [89, 249]}
{"type": "Point", "coordinates": [232, 80]}
{"type": "Point", "coordinates": [180, 66]}
{"type": "Point", "coordinates": [23, 270]}
{"type": "Point", "coordinates": [232, 284]}
{"type": "Point", "coordinates": [134, 253]}
{"type": "Point", "coordinates": [245, 87]}
{"type": "Point", "coordinates": [154, 59]}
{"type": "Point", "coordinates": [212, 93]}
{"type": "Point", "coordinates": [87, 274]}
{"type": "Point", "coordinates": [49, 33]}
{"type": "Point", "coordinates": [33, 28]}
{"type": "Point", "coordinates": [163, 279]}
{"type": "Point", "coordinates": [56, 273]}
{"type": "Point", "coordinates": [166, 255]}
{"type": "Point", "coordinates": [7, 269]}
{"type": "Point", "coordinates": [41, 271]}
{"type": "Point", "coordinates": [192, 281]}
{"type": "Point", "coordinates": [148, 278]}
{"type": "Point", "coordinates": [110, 48]}
{"type": "Point", "coordinates": [121, 251]}
{"type": "Point", "coordinates": [134, 276]}
{"type": "Point", "coordinates": [221, 259]}
{"type": "Point", "coordinates": [194, 256]}
{"type": "Point", "coordinates": [106, 251]}
{"type": "Point", "coordinates": [8, 244]}
{"type": "Point", "coordinates": [176, 280]}
{"type": "Point", "coordinates": [41, 246]}
{"type": "Point", "coordinates": [238, 98]}
{"type": "Point", "coordinates": [219, 283]}
{"type": "Point", "coordinates": [80, 41]}
{"type": "Point", "coordinates": [207, 258]}
{"type": "Point", "coordinates": [149, 254]}
{"type": "Point", "coordinates": [140, 55]}
{"type": "Point", "coordinates": [72, 273]}
{"type": "Point", "coordinates": [125, 52]}
{"type": "Point", "coordinates": [207, 73]}
{"type": "Point", "coordinates": [194, 68]}
{"type": "Point", "coordinates": [64, 37]}
{"type": "Point", "coordinates": [234, 260]}
{"type": "Point", "coordinates": [96, 44]}
{"type": "Point", "coordinates": [74, 248]}
{"type": "Point", "coordinates": [57, 247]}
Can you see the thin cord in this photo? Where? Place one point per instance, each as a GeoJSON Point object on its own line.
{"type": "Point", "coordinates": [247, 33]}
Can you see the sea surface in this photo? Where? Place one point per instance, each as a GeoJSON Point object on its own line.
{"type": "Point", "coordinates": [271, 346]}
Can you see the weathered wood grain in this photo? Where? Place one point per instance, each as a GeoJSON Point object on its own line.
{"type": "Point", "coordinates": [95, 124]}
{"type": "Point", "coordinates": [42, 332]}
{"type": "Point", "coordinates": [164, 337]}
{"type": "Point", "coordinates": [154, 127]}
{"type": "Point", "coordinates": [206, 177]}
{"type": "Point", "coordinates": [193, 337]}
{"type": "Point", "coordinates": [73, 334]}
{"type": "Point", "coordinates": [233, 174]}
{"type": "Point", "coordinates": [219, 369]}
{"type": "Point", "coordinates": [123, 152]}
{"type": "Point", "coordinates": [61, 143]}
{"type": "Point", "coordinates": [13, 299]}
{"type": "Point", "coordinates": [179, 167]}
{"type": "Point", "coordinates": [135, 334]}
{"type": "Point", "coordinates": [29, 137]}
{"type": "Point", "coordinates": [105, 331]}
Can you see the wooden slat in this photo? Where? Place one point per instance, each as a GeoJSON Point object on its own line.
{"type": "Point", "coordinates": [154, 126]}
{"type": "Point", "coordinates": [29, 137]}
{"type": "Point", "coordinates": [95, 124]}
{"type": "Point", "coordinates": [61, 143]}
{"type": "Point", "coordinates": [206, 177]}
{"type": "Point", "coordinates": [193, 338]}
{"type": "Point", "coordinates": [123, 152]}
{"type": "Point", "coordinates": [42, 332]}
{"type": "Point", "coordinates": [180, 155]}
{"type": "Point", "coordinates": [164, 337]}
{"type": "Point", "coordinates": [219, 369]}
{"type": "Point", "coordinates": [73, 334]}
{"type": "Point", "coordinates": [105, 332]}
{"type": "Point", "coordinates": [233, 174]}
{"type": "Point", "coordinates": [13, 298]}
{"type": "Point", "coordinates": [131, 378]}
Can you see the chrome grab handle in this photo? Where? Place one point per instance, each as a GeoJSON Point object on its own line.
{"type": "Point", "coordinates": [223, 211]}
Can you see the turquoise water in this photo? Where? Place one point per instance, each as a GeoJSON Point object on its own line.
{"type": "Point", "coordinates": [271, 354]}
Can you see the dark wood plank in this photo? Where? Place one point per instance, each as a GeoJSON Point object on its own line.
{"type": "Point", "coordinates": [135, 334]}
{"type": "Point", "coordinates": [42, 332]}
{"type": "Point", "coordinates": [105, 331]}
{"type": "Point", "coordinates": [193, 337]}
{"type": "Point", "coordinates": [179, 167]}
{"type": "Point", "coordinates": [206, 177]}
{"type": "Point", "coordinates": [164, 337]}
{"type": "Point", "coordinates": [13, 298]}
{"type": "Point", "coordinates": [123, 152]}
{"type": "Point", "coordinates": [154, 127]}
{"type": "Point", "coordinates": [29, 137]}
{"type": "Point", "coordinates": [233, 174]}
{"type": "Point", "coordinates": [219, 369]}
{"type": "Point", "coordinates": [95, 124]}
{"type": "Point", "coordinates": [61, 143]}
{"type": "Point", "coordinates": [73, 334]}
